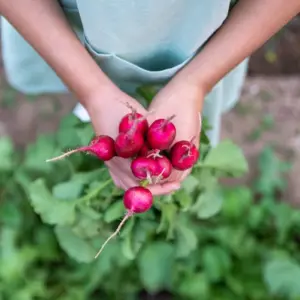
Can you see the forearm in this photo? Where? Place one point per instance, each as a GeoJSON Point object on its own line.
{"type": "Point", "coordinates": [43, 24]}
{"type": "Point", "coordinates": [250, 24]}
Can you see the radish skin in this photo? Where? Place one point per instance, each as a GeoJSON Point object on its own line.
{"type": "Point", "coordinates": [128, 121]}
{"type": "Point", "coordinates": [102, 146]}
{"type": "Point", "coordinates": [184, 155]}
{"type": "Point", "coordinates": [143, 167]}
{"type": "Point", "coordinates": [129, 144]}
{"type": "Point", "coordinates": [161, 134]}
{"type": "Point", "coordinates": [136, 200]}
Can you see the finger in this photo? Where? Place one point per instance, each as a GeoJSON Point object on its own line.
{"type": "Point", "coordinates": [173, 178]}
{"type": "Point", "coordinates": [185, 174]}
{"type": "Point", "coordinates": [200, 121]}
{"type": "Point", "coordinates": [115, 179]}
{"type": "Point", "coordinates": [124, 183]}
{"type": "Point", "coordinates": [123, 186]}
{"type": "Point", "coordinates": [121, 183]}
{"type": "Point", "coordinates": [120, 172]}
{"type": "Point", "coordinates": [130, 182]}
{"type": "Point", "coordinates": [163, 189]}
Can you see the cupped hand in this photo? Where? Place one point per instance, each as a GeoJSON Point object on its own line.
{"type": "Point", "coordinates": [185, 102]}
{"type": "Point", "coordinates": [106, 108]}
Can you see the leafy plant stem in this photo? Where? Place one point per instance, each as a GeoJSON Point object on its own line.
{"type": "Point", "coordinates": [94, 192]}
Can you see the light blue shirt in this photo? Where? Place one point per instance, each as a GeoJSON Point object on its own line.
{"type": "Point", "coordinates": [134, 42]}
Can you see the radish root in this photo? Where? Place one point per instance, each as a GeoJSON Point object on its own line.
{"type": "Point", "coordinates": [127, 216]}
{"type": "Point", "coordinates": [66, 154]}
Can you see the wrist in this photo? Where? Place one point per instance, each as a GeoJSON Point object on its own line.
{"type": "Point", "coordinates": [102, 94]}
{"type": "Point", "coordinates": [189, 89]}
{"type": "Point", "coordinates": [196, 80]}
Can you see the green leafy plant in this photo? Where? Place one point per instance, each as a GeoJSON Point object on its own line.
{"type": "Point", "coordinates": [84, 206]}
{"type": "Point", "coordinates": [205, 241]}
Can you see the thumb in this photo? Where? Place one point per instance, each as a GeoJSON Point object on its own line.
{"type": "Point", "coordinates": [164, 188]}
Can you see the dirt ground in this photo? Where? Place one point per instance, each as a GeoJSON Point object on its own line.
{"type": "Point", "coordinates": [281, 54]}
{"type": "Point", "coordinates": [268, 113]}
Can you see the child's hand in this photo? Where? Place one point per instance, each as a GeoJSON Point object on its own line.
{"type": "Point", "coordinates": [185, 103]}
{"type": "Point", "coordinates": [106, 110]}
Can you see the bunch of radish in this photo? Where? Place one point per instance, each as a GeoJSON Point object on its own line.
{"type": "Point", "coordinates": [152, 157]}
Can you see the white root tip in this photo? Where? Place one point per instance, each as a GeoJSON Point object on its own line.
{"type": "Point", "coordinates": [159, 177]}
{"type": "Point", "coordinates": [62, 156]}
{"type": "Point", "coordinates": [149, 178]}
{"type": "Point", "coordinates": [171, 118]}
{"type": "Point", "coordinates": [127, 216]}
{"type": "Point", "coordinates": [155, 154]}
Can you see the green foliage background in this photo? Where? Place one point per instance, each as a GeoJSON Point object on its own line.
{"type": "Point", "coordinates": [206, 241]}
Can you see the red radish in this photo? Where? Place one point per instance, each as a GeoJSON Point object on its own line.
{"type": "Point", "coordinates": [163, 164]}
{"type": "Point", "coordinates": [184, 155]}
{"type": "Point", "coordinates": [102, 146]}
{"type": "Point", "coordinates": [144, 150]}
{"type": "Point", "coordinates": [161, 134]}
{"type": "Point", "coordinates": [128, 121]}
{"type": "Point", "coordinates": [136, 200]}
{"type": "Point", "coordinates": [133, 119]}
{"type": "Point", "coordinates": [144, 168]}
{"type": "Point", "coordinates": [164, 167]}
{"type": "Point", "coordinates": [128, 144]}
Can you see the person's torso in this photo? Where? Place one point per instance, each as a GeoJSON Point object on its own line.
{"type": "Point", "coordinates": [152, 34]}
{"type": "Point", "coordinates": [135, 42]}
